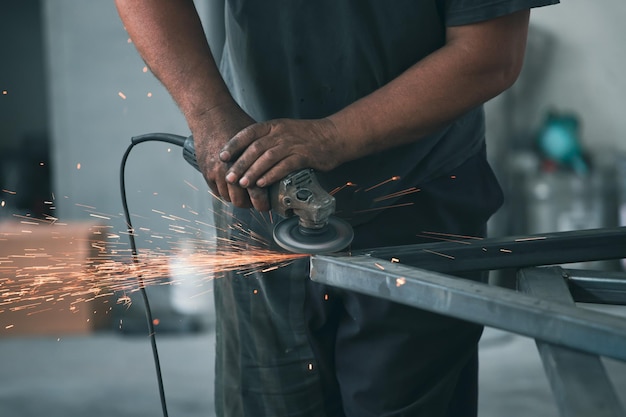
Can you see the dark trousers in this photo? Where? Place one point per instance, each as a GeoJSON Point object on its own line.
{"type": "Point", "coordinates": [287, 346]}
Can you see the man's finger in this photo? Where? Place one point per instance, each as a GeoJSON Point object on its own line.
{"type": "Point", "coordinates": [251, 165]}
{"type": "Point", "coordinates": [223, 191]}
{"type": "Point", "coordinates": [260, 198]}
{"type": "Point", "coordinates": [213, 186]}
{"type": "Point", "coordinates": [280, 171]}
{"type": "Point", "coordinates": [239, 196]}
{"type": "Point", "coordinates": [238, 143]}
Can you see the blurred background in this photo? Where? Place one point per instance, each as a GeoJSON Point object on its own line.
{"type": "Point", "coordinates": [73, 91]}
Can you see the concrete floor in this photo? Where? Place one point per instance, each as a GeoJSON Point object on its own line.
{"type": "Point", "coordinates": [110, 374]}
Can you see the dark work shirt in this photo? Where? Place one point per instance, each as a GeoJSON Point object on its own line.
{"type": "Point", "coordinates": [309, 59]}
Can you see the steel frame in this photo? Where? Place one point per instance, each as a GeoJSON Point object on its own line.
{"type": "Point", "coordinates": [570, 339]}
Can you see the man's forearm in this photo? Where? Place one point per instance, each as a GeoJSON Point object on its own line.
{"type": "Point", "coordinates": [477, 63]}
{"type": "Point", "coordinates": [169, 37]}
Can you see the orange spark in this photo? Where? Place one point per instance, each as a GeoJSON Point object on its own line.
{"type": "Point", "coordinates": [67, 275]}
{"type": "Point", "coordinates": [524, 239]}
{"type": "Point", "coordinates": [444, 239]}
{"type": "Point", "coordinates": [402, 193]}
{"type": "Point", "coordinates": [30, 219]}
{"type": "Point", "coordinates": [383, 208]}
{"type": "Point", "coordinates": [193, 187]}
{"type": "Point", "coordinates": [453, 235]}
{"type": "Point", "coordinates": [99, 216]}
{"type": "Point", "coordinates": [25, 222]}
{"type": "Point", "coordinates": [336, 190]}
{"type": "Point", "coordinates": [438, 253]}
{"type": "Point", "coordinates": [394, 178]}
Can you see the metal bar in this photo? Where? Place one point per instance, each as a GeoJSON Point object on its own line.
{"type": "Point", "coordinates": [597, 287]}
{"type": "Point", "coordinates": [579, 380]}
{"type": "Point", "coordinates": [502, 308]}
{"type": "Point", "coordinates": [472, 254]}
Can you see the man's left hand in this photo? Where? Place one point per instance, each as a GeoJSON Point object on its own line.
{"type": "Point", "coordinates": [264, 153]}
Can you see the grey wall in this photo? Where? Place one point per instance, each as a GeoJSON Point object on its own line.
{"type": "Point", "coordinates": [90, 62]}
{"type": "Point", "coordinates": [575, 62]}
{"type": "Point", "coordinates": [23, 108]}
{"type": "Point", "coordinates": [24, 139]}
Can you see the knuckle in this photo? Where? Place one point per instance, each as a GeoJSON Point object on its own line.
{"type": "Point", "coordinates": [272, 153]}
{"type": "Point", "coordinates": [239, 167]}
{"type": "Point", "coordinates": [301, 159]}
{"type": "Point", "coordinates": [257, 147]}
{"type": "Point", "coordinates": [246, 134]}
{"type": "Point", "coordinates": [231, 144]}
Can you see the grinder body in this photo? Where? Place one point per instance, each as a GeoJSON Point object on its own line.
{"type": "Point", "coordinates": [308, 225]}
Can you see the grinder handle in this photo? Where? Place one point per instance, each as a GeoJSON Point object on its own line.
{"type": "Point", "coordinates": [189, 152]}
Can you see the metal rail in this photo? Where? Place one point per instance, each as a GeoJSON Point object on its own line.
{"type": "Point", "coordinates": [579, 380]}
{"type": "Point", "coordinates": [596, 287]}
{"type": "Point", "coordinates": [570, 339]}
{"type": "Point", "coordinates": [458, 254]}
{"type": "Point", "coordinates": [561, 324]}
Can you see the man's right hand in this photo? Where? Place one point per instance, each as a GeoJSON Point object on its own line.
{"type": "Point", "coordinates": [211, 131]}
{"type": "Point", "coordinates": [170, 38]}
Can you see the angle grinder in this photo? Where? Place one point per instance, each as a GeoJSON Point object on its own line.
{"type": "Point", "coordinates": [308, 224]}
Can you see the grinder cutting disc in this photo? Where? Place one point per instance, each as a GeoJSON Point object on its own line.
{"type": "Point", "coordinates": [336, 235]}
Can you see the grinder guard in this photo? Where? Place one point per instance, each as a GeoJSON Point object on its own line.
{"type": "Point", "coordinates": [315, 230]}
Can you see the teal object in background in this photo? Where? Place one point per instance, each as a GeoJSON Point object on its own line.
{"type": "Point", "coordinates": [559, 141]}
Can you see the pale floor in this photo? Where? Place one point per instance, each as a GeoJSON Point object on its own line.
{"type": "Point", "coordinates": [109, 374]}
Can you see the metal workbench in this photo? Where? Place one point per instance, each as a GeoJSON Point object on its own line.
{"type": "Point", "coordinates": [571, 339]}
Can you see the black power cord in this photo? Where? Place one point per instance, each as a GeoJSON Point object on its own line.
{"type": "Point", "coordinates": [154, 137]}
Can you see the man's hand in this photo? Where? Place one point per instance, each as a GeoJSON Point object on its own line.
{"type": "Point", "coordinates": [169, 37]}
{"type": "Point", "coordinates": [264, 153]}
{"type": "Point", "coordinates": [209, 139]}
